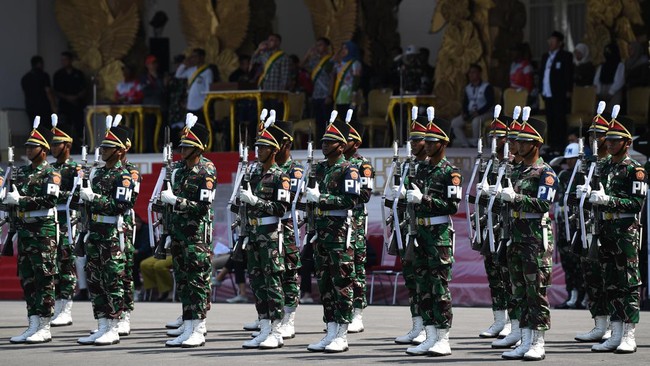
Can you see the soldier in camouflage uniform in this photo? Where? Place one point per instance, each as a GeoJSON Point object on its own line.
{"type": "Point", "coordinates": [436, 192]}
{"type": "Point", "coordinates": [33, 195]}
{"type": "Point", "coordinates": [416, 138]}
{"type": "Point", "coordinates": [619, 198]}
{"type": "Point", "coordinates": [267, 197]}
{"type": "Point", "coordinates": [108, 199]}
{"type": "Point", "coordinates": [334, 196]}
{"type": "Point", "coordinates": [531, 247]}
{"type": "Point", "coordinates": [591, 270]}
{"type": "Point", "coordinates": [65, 258]}
{"type": "Point", "coordinates": [191, 194]}
{"type": "Point", "coordinates": [360, 217]}
{"type": "Point", "coordinates": [292, 264]}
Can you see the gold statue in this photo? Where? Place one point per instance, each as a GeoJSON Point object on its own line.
{"type": "Point", "coordinates": [608, 21]}
{"type": "Point", "coordinates": [334, 19]}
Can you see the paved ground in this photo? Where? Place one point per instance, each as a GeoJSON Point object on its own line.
{"type": "Point", "coordinates": [145, 346]}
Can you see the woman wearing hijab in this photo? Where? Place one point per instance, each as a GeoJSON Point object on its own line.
{"type": "Point", "coordinates": [583, 73]}
{"type": "Point", "coordinates": [610, 77]}
{"type": "Point", "coordinates": [636, 66]}
{"type": "Point", "coordinates": [347, 71]}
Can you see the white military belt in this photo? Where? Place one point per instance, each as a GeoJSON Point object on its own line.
{"type": "Point", "coordinates": [61, 207]}
{"type": "Point", "coordinates": [101, 219]}
{"type": "Point", "coordinates": [527, 215]}
{"type": "Point", "coordinates": [36, 213]}
{"type": "Point", "coordinates": [337, 213]}
{"type": "Point", "coordinates": [433, 220]}
{"type": "Point", "coordinates": [286, 216]}
{"type": "Point", "coordinates": [616, 215]}
{"type": "Point", "coordinates": [267, 220]}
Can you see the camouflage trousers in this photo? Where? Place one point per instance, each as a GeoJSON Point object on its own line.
{"type": "Point", "coordinates": [105, 272]}
{"type": "Point", "coordinates": [529, 280]}
{"type": "Point", "coordinates": [359, 245]}
{"type": "Point", "coordinates": [619, 258]}
{"type": "Point", "coordinates": [571, 265]}
{"type": "Point", "coordinates": [191, 263]}
{"type": "Point", "coordinates": [334, 264]}
{"type": "Point", "coordinates": [66, 279]}
{"type": "Point", "coordinates": [265, 272]}
{"type": "Point", "coordinates": [292, 264]}
{"type": "Point", "coordinates": [498, 280]}
{"type": "Point", "coordinates": [129, 288]}
{"type": "Point", "coordinates": [37, 272]}
{"type": "Point", "coordinates": [408, 272]}
{"type": "Point", "coordinates": [594, 286]}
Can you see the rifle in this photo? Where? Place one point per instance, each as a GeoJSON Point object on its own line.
{"type": "Point", "coordinates": [297, 223]}
{"type": "Point", "coordinates": [233, 198]}
{"type": "Point", "coordinates": [394, 235]}
{"type": "Point", "coordinates": [159, 213]}
{"type": "Point", "coordinates": [12, 211]}
{"type": "Point", "coordinates": [500, 172]}
{"type": "Point", "coordinates": [570, 213]}
{"type": "Point", "coordinates": [242, 215]}
{"type": "Point", "coordinates": [595, 209]}
{"type": "Point", "coordinates": [477, 171]}
{"type": "Point", "coordinates": [411, 243]}
{"type": "Point", "coordinates": [503, 177]}
{"type": "Point", "coordinates": [83, 207]}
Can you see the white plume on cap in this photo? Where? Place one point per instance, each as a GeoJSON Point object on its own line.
{"type": "Point", "coordinates": [414, 113]}
{"type": "Point", "coordinates": [190, 120]}
{"type": "Point", "coordinates": [525, 114]}
{"type": "Point", "coordinates": [271, 120]}
{"type": "Point", "coordinates": [55, 120]}
{"type": "Point", "coordinates": [109, 122]}
{"type": "Point", "coordinates": [497, 111]}
{"type": "Point", "coordinates": [431, 114]}
{"type": "Point", "coordinates": [333, 116]}
{"type": "Point", "coordinates": [601, 107]}
{"type": "Point", "coordinates": [37, 121]}
{"type": "Point", "coordinates": [117, 120]}
{"type": "Point", "coordinates": [615, 110]}
{"type": "Point", "coordinates": [348, 115]}
{"type": "Point", "coordinates": [516, 112]}
{"type": "Point", "coordinates": [265, 112]}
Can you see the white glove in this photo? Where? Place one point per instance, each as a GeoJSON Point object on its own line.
{"type": "Point", "coordinates": [87, 194]}
{"type": "Point", "coordinates": [395, 193]}
{"type": "Point", "coordinates": [168, 196]}
{"type": "Point", "coordinates": [247, 196]}
{"type": "Point", "coordinates": [482, 188]}
{"type": "Point", "coordinates": [2, 193]}
{"type": "Point", "coordinates": [313, 194]}
{"type": "Point", "coordinates": [494, 190]}
{"type": "Point", "coordinates": [599, 197]}
{"type": "Point", "coordinates": [12, 198]}
{"type": "Point", "coordinates": [414, 195]}
{"type": "Point", "coordinates": [508, 194]}
{"type": "Point", "coordinates": [583, 190]}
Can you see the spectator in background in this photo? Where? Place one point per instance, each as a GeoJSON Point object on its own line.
{"type": "Point", "coordinates": [477, 108]}
{"type": "Point", "coordinates": [412, 71]}
{"type": "Point", "coordinates": [300, 81]}
{"type": "Point", "coordinates": [39, 97]}
{"type": "Point", "coordinates": [556, 77]}
{"type": "Point", "coordinates": [271, 69]}
{"type": "Point", "coordinates": [610, 77]}
{"type": "Point", "coordinates": [318, 62]}
{"type": "Point", "coordinates": [69, 85]}
{"type": "Point", "coordinates": [129, 90]}
{"type": "Point", "coordinates": [199, 76]}
{"type": "Point", "coordinates": [636, 66]}
{"type": "Point", "coordinates": [583, 74]}
{"type": "Point", "coordinates": [242, 74]}
{"type": "Point", "coordinates": [176, 100]}
{"type": "Point", "coordinates": [245, 108]}
{"type": "Point", "coordinates": [239, 267]}
{"type": "Point", "coordinates": [156, 275]}
{"type": "Point", "coordinates": [521, 71]}
{"type": "Point", "coordinates": [142, 251]}
{"type": "Point", "coordinates": [429, 71]}
{"type": "Point", "coordinates": [347, 71]}
{"type": "Point", "coordinates": [153, 90]}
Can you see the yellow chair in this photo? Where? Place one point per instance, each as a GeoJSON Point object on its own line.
{"type": "Point", "coordinates": [638, 101]}
{"type": "Point", "coordinates": [583, 106]}
{"type": "Point", "coordinates": [377, 115]}
{"type": "Point", "coordinates": [513, 97]}
{"type": "Point", "coordinates": [296, 106]}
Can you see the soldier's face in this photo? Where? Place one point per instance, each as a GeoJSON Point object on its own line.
{"type": "Point", "coordinates": [330, 146]}
{"type": "Point", "coordinates": [33, 151]}
{"type": "Point", "coordinates": [432, 147]}
{"type": "Point", "coordinates": [57, 149]}
{"type": "Point", "coordinates": [514, 146]}
{"type": "Point", "coordinates": [416, 146]}
{"type": "Point", "coordinates": [264, 152]}
{"type": "Point", "coordinates": [600, 137]}
{"type": "Point", "coordinates": [571, 162]}
{"type": "Point", "coordinates": [616, 146]}
{"type": "Point", "coordinates": [108, 153]}
{"type": "Point", "coordinates": [186, 152]}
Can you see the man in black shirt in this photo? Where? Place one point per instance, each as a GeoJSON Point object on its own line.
{"type": "Point", "coordinates": [39, 99]}
{"type": "Point", "coordinates": [70, 88]}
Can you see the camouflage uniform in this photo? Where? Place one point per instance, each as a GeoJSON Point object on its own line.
{"type": "Point", "coordinates": [514, 309]}
{"type": "Point", "coordinates": [67, 271]}
{"type": "Point", "coordinates": [570, 261]}
{"type": "Point", "coordinates": [292, 264]}
{"type": "Point", "coordinates": [37, 236]}
{"type": "Point", "coordinates": [129, 249]}
{"type": "Point", "coordinates": [334, 254]}
{"type": "Point", "coordinates": [441, 189]}
{"type": "Point", "coordinates": [106, 260]}
{"type": "Point", "coordinates": [265, 260]}
{"type": "Point", "coordinates": [191, 233]}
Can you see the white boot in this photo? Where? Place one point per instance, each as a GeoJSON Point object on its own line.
{"type": "Point", "coordinates": [31, 329]}
{"type": "Point", "coordinates": [507, 328]}
{"type": "Point", "coordinates": [441, 347]}
{"type": "Point", "coordinates": [175, 323]}
{"type": "Point", "coordinates": [628, 344]}
{"type": "Point", "coordinates": [265, 331]}
{"type": "Point", "coordinates": [420, 338]}
{"type": "Point", "coordinates": [274, 340]}
{"type": "Point", "coordinates": [178, 341]}
{"type": "Point", "coordinates": [500, 319]}
{"type": "Point", "coordinates": [42, 334]}
{"type": "Point", "coordinates": [178, 331]}
{"type": "Point", "coordinates": [511, 339]}
{"type": "Point", "coordinates": [102, 327]}
{"type": "Point", "coordinates": [340, 342]}
{"type": "Point", "coordinates": [613, 342]}
{"type": "Point", "coordinates": [196, 338]}
{"type": "Point", "coordinates": [287, 328]}
{"type": "Point", "coordinates": [124, 324]}
{"type": "Point", "coordinates": [423, 348]}
{"type": "Point", "coordinates": [356, 326]}
{"type": "Point", "coordinates": [253, 325]}
{"type": "Point", "coordinates": [597, 333]}
{"type": "Point", "coordinates": [608, 332]}
{"type": "Point", "coordinates": [111, 336]}
{"type": "Point", "coordinates": [519, 352]}
{"type": "Point", "coordinates": [418, 327]}
{"type": "Point", "coordinates": [536, 350]}
{"type": "Point", "coordinates": [332, 329]}
{"type": "Point", "coordinates": [571, 303]}
{"type": "Point", "coordinates": [64, 317]}
{"type": "Point", "coordinates": [57, 308]}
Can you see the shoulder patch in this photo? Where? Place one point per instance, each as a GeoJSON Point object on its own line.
{"type": "Point", "coordinates": [455, 179]}
{"type": "Point", "coordinates": [549, 180]}
{"type": "Point", "coordinates": [285, 183]}
{"type": "Point", "coordinates": [354, 173]}
{"type": "Point", "coordinates": [56, 178]}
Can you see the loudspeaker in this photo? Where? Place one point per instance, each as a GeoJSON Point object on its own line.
{"type": "Point", "coordinates": [159, 47]}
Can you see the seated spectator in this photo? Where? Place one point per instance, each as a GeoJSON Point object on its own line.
{"type": "Point", "coordinates": [156, 275]}
{"type": "Point", "coordinates": [477, 108]}
{"type": "Point", "coordinates": [610, 77]}
{"type": "Point", "coordinates": [521, 71]}
{"type": "Point", "coordinates": [239, 267]}
{"type": "Point", "coordinates": [142, 251]}
{"type": "Point", "coordinates": [129, 90]}
{"type": "Point", "coordinates": [583, 73]}
{"type": "Point", "coordinates": [636, 66]}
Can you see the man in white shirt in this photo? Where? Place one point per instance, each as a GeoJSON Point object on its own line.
{"type": "Point", "coordinates": [199, 77]}
{"type": "Point", "coordinates": [477, 108]}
